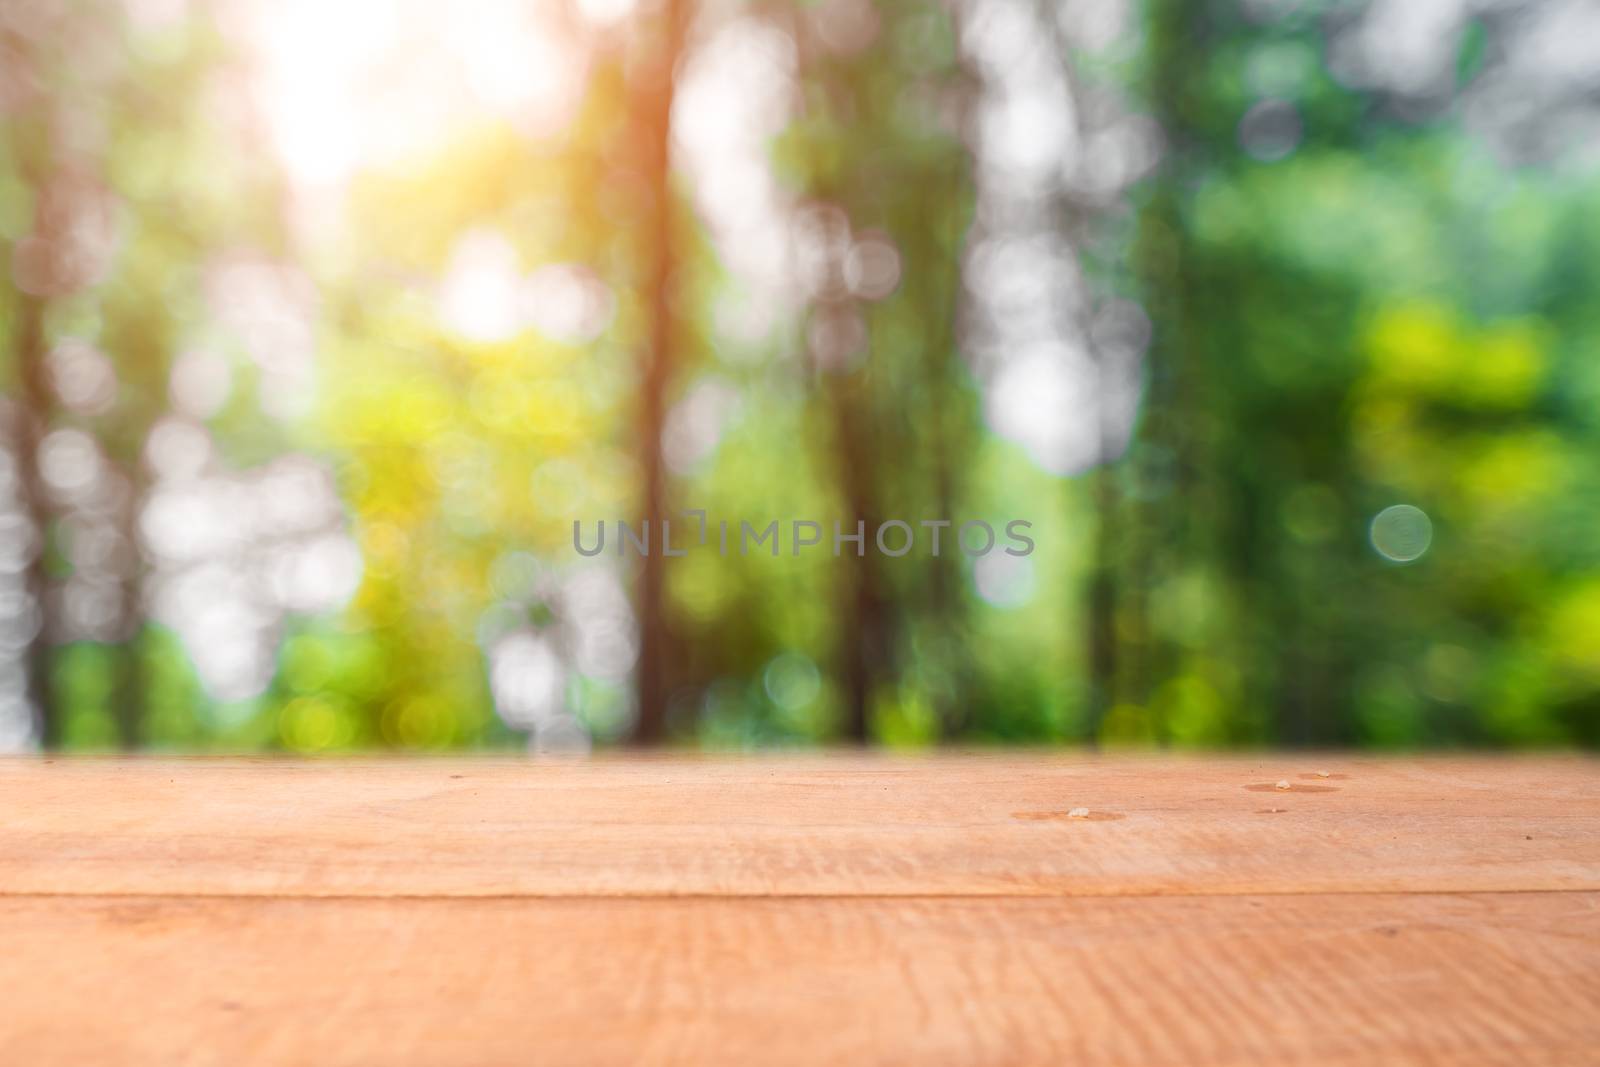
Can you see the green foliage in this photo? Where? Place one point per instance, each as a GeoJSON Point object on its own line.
{"type": "Point", "coordinates": [1380, 311]}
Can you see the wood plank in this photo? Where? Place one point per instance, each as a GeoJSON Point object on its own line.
{"type": "Point", "coordinates": [868, 825]}
{"type": "Point", "coordinates": [1324, 980]}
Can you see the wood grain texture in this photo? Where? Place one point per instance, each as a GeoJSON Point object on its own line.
{"type": "Point", "coordinates": [1508, 979]}
{"type": "Point", "coordinates": [976, 825]}
{"type": "Point", "coordinates": [800, 910]}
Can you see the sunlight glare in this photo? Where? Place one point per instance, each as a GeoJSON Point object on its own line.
{"type": "Point", "coordinates": [379, 82]}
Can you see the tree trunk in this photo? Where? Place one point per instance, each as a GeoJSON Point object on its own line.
{"type": "Point", "coordinates": [865, 634]}
{"type": "Point", "coordinates": [32, 419]}
{"type": "Point", "coordinates": [128, 700]}
{"type": "Point", "coordinates": [656, 370]}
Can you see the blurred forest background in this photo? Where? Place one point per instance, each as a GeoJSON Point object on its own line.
{"type": "Point", "coordinates": [322, 322]}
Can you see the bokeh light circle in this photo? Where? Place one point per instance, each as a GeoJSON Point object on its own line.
{"type": "Point", "coordinates": [1401, 533]}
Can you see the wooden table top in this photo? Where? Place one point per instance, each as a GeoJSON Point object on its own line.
{"type": "Point", "coordinates": [806, 909]}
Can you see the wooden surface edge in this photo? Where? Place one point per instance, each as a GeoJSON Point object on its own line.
{"type": "Point", "coordinates": [867, 826]}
